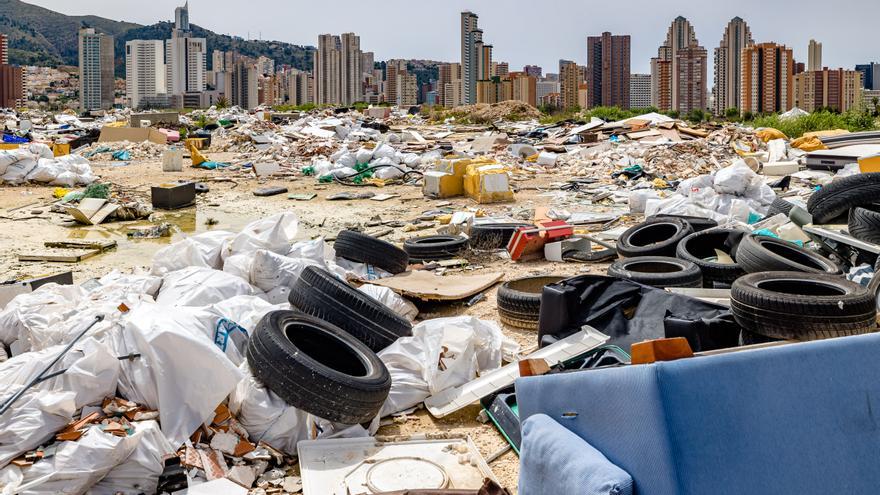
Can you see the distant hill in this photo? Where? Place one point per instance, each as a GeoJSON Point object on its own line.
{"type": "Point", "coordinates": [39, 36]}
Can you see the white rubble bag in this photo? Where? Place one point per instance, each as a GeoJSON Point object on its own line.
{"type": "Point", "coordinates": [270, 270]}
{"type": "Point", "coordinates": [464, 345]}
{"type": "Point", "coordinates": [33, 420]}
{"type": "Point", "coordinates": [77, 466]}
{"type": "Point", "coordinates": [267, 418]}
{"type": "Point", "coordinates": [181, 373]}
{"type": "Point", "coordinates": [140, 472]}
{"type": "Point", "coordinates": [41, 308]}
{"type": "Point", "coordinates": [199, 250]}
{"type": "Point", "coordinates": [201, 286]}
{"type": "Point", "coordinates": [392, 300]}
{"type": "Point", "coordinates": [274, 234]}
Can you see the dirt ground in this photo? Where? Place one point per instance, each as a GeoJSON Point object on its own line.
{"type": "Point", "coordinates": [27, 223]}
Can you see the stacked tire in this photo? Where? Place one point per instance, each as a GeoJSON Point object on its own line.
{"type": "Point", "coordinates": [519, 301]}
{"type": "Point", "coordinates": [362, 248]}
{"type": "Point", "coordinates": [801, 306]}
{"type": "Point", "coordinates": [706, 250]}
{"type": "Point", "coordinates": [856, 197]}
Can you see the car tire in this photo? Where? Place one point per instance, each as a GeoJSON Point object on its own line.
{"type": "Point", "coordinates": [658, 271]}
{"type": "Point", "coordinates": [699, 248]}
{"type": "Point", "coordinates": [778, 206]}
{"type": "Point", "coordinates": [658, 237]}
{"type": "Point", "coordinates": [320, 294]}
{"type": "Point", "coordinates": [840, 196]}
{"type": "Point", "coordinates": [434, 247]}
{"type": "Point", "coordinates": [864, 223]}
{"type": "Point", "coordinates": [362, 248]}
{"type": "Point", "coordinates": [768, 254]}
{"type": "Point", "coordinates": [317, 367]}
{"type": "Point", "coordinates": [519, 301]}
{"type": "Point", "coordinates": [489, 236]}
{"type": "Point", "coordinates": [698, 224]}
{"type": "Point", "coordinates": [802, 306]}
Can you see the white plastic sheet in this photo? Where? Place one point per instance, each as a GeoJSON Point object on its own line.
{"type": "Point", "coordinates": [40, 309]}
{"type": "Point", "coordinates": [33, 420]}
{"type": "Point", "coordinates": [199, 286]}
{"type": "Point", "coordinates": [464, 345]}
{"type": "Point", "coordinates": [181, 372]}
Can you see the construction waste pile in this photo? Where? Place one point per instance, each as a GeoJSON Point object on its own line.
{"type": "Point", "coordinates": [252, 361]}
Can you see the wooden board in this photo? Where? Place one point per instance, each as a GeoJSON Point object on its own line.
{"type": "Point", "coordinates": [99, 245]}
{"type": "Point", "coordinates": [426, 286]}
{"type": "Point", "coordinates": [60, 255]}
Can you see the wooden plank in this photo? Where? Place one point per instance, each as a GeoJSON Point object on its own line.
{"type": "Point", "coordinates": [99, 245]}
{"type": "Point", "coordinates": [74, 256]}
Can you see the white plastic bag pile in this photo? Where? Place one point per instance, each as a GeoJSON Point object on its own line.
{"type": "Point", "coordinates": [37, 163]}
{"type": "Point", "coordinates": [733, 194]}
{"type": "Point", "coordinates": [441, 354]}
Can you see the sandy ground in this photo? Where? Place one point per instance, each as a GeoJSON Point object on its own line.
{"type": "Point", "coordinates": [27, 223]}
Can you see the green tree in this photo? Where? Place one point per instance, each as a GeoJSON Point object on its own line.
{"type": "Point", "coordinates": [732, 114]}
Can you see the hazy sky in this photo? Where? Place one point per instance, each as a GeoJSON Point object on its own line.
{"type": "Point", "coordinates": [522, 32]}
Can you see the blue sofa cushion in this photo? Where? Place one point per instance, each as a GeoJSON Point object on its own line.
{"type": "Point", "coordinates": [618, 411]}
{"type": "Point", "coordinates": [798, 418]}
{"type": "Point", "coordinates": [554, 460]}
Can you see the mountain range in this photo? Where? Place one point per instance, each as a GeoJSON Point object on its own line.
{"type": "Point", "coordinates": [39, 36]}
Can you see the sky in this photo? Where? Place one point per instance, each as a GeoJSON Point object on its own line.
{"type": "Point", "coordinates": [522, 32]}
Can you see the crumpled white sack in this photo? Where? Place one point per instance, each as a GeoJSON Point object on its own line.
{"type": "Point", "coordinates": [33, 420]}
{"type": "Point", "coordinates": [267, 417]}
{"type": "Point", "coordinates": [42, 150]}
{"type": "Point", "coordinates": [76, 466]}
{"type": "Point", "coordinates": [140, 472]}
{"type": "Point", "coordinates": [270, 270]}
{"type": "Point", "coordinates": [469, 346]}
{"type": "Point", "coordinates": [181, 372]}
{"type": "Point", "coordinates": [392, 300]}
{"type": "Point", "coordinates": [199, 250]}
{"type": "Point", "coordinates": [734, 179]}
{"type": "Point", "coordinates": [40, 309]}
{"type": "Point", "coordinates": [200, 286]}
{"type": "Point", "coordinates": [274, 234]}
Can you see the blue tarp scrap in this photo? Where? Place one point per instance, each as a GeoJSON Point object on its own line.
{"type": "Point", "coordinates": [122, 155]}
{"type": "Point", "coordinates": [13, 139]}
{"type": "Point", "coordinates": [213, 165]}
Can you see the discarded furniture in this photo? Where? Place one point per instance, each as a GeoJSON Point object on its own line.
{"type": "Point", "coordinates": [796, 418]}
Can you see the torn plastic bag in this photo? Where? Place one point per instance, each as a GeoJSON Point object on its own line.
{"type": "Point", "coordinates": [200, 286]}
{"type": "Point", "coordinates": [181, 372]}
{"type": "Point", "coordinates": [352, 270]}
{"type": "Point", "coordinates": [199, 250]}
{"type": "Point", "coordinates": [140, 472]}
{"type": "Point", "coordinates": [316, 250]}
{"type": "Point", "coordinates": [34, 419]}
{"type": "Point", "coordinates": [463, 345]}
{"type": "Point", "coordinates": [77, 466]}
{"type": "Point", "coordinates": [392, 300]}
{"type": "Point", "coordinates": [630, 312]}
{"type": "Point", "coordinates": [275, 234]}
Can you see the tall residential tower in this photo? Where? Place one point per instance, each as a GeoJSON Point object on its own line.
{"type": "Point", "coordinates": [679, 72]}
{"type": "Point", "coordinates": [96, 68]}
{"type": "Point", "coordinates": [728, 65]}
{"type": "Point", "coordinates": [608, 71]}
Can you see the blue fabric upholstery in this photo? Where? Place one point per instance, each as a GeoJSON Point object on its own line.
{"type": "Point", "coordinates": [554, 460]}
{"type": "Point", "coordinates": [798, 418]}
{"type": "Point", "coordinates": [618, 411]}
